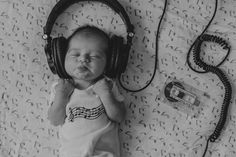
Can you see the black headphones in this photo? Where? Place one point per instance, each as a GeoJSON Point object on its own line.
{"type": "Point", "coordinates": [55, 48]}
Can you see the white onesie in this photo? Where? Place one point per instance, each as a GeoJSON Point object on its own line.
{"type": "Point", "coordinates": [87, 131]}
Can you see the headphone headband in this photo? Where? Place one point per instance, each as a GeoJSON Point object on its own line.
{"type": "Point", "coordinates": [62, 5]}
{"type": "Point", "coordinates": [55, 48]}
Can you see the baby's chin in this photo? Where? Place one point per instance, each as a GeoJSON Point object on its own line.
{"type": "Point", "coordinates": [81, 76]}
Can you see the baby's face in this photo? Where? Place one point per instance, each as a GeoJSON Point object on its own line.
{"type": "Point", "coordinates": [86, 58]}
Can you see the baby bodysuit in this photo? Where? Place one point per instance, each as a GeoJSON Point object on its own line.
{"type": "Point", "coordinates": [87, 131]}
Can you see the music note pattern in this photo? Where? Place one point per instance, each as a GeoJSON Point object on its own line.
{"type": "Point", "coordinates": [151, 128]}
{"type": "Point", "coordinates": [82, 112]}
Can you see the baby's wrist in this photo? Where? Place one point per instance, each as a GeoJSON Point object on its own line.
{"type": "Point", "coordinates": [60, 101]}
{"type": "Point", "coordinates": [62, 93]}
{"type": "Point", "coordinates": [105, 94]}
{"type": "Point", "coordinates": [62, 96]}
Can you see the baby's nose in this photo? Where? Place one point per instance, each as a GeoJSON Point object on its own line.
{"type": "Point", "coordinates": [84, 59]}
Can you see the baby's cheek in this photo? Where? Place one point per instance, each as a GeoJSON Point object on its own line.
{"type": "Point", "coordinates": [98, 70]}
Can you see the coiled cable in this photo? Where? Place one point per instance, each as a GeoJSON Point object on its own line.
{"type": "Point", "coordinates": [196, 49]}
{"type": "Point", "coordinates": [219, 73]}
{"type": "Point", "coordinates": [214, 69]}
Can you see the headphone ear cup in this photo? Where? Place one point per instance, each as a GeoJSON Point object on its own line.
{"type": "Point", "coordinates": [50, 58]}
{"type": "Point", "coordinates": [122, 57]}
{"type": "Point", "coordinates": [59, 46]}
{"type": "Point", "coordinates": [119, 47]}
{"type": "Point", "coordinates": [110, 57]}
{"type": "Point", "coordinates": [114, 60]}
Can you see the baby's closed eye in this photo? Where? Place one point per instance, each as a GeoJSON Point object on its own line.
{"type": "Point", "coordinates": [95, 56]}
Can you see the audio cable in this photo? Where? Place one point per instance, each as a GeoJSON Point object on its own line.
{"type": "Point", "coordinates": [196, 49]}
{"type": "Point", "coordinates": [156, 58]}
{"type": "Point", "coordinates": [215, 70]}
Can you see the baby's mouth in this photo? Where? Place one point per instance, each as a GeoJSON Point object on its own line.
{"type": "Point", "coordinates": [82, 68]}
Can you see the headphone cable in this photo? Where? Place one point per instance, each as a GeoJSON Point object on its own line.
{"type": "Point", "coordinates": [191, 47]}
{"type": "Point", "coordinates": [196, 46]}
{"type": "Point", "coordinates": [156, 58]}
{"type": "Point", "coordinates": [208, 68]}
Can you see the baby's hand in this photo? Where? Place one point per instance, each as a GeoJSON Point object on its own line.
{"type": "Point", "coordinates": [103, 86]}
{"type": "Point", "coordinates": [64, 88]}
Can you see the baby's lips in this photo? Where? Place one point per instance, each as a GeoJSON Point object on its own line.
{"type": "Point", "coordinates": [82, 68]}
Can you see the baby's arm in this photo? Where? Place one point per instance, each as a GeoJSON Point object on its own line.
{"type": "Point", "coordinates": [57, 110]}
{"type": "Point", "coordinates": [115, 109]}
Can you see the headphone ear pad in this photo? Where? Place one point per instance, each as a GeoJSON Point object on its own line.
{"type": "Point", "coordinates": [114, 59]}
{"type": "Point", "coordinates": [122, 56]}
{"type": "Point", "coordinates": [50, 58]}
{"type": "Point", "coordinates": [110, 59]}
{"type": "Point", "coordinates": [59, 46]}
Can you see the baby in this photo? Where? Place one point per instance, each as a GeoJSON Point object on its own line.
{"type": "Point", "coordinates": [88, 107]}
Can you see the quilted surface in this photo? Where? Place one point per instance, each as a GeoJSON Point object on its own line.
{"type": "Point", "coordinates": [151, 128]}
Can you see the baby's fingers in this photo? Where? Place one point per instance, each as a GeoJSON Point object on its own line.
{"type": "Point", "coordinates": [64, 84]}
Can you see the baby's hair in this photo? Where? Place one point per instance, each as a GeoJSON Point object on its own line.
{"type": "Point", "coordinates": [90, 29]}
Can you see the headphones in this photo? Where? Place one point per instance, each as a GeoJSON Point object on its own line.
{"type": "Point", "coordinates": [55, 48]}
